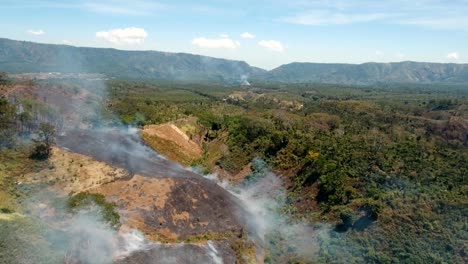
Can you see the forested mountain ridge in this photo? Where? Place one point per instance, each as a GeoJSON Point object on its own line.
{"type": "Point", "coordinates": [367, 73]}
{"type": "Point", "coordinates": [22, 57]}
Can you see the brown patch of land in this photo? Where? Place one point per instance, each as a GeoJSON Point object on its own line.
{"type": "Point", "coordinates": [172, 209]}
{"type": "Point", "coordinates": [165, 209]}
{"type": "Point", "coordinates": [234, 178]}
{"type": "Point", "coordinates": [71, 172]}
{"type": "Point", "coordinates": [144, 193]}
{"type": "Point", "coordinates": [172, 142]}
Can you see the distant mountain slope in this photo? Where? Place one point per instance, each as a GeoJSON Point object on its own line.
{"type": "Point", "coordinates": [369, 73]}
{"type": "Point", "coordinates": [21, 56]}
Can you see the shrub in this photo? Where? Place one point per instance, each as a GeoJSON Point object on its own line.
{"type": "Point", "coordinates": [40, 152]}
{"type": "Point", "coordinates": [85, 200]}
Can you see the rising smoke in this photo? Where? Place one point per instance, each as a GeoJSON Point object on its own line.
{"type": "Point", "coordinates": [83, 236]}
{"type": "Point", "coordinates": [263, 197]}
{"type": "Point", "coordinates": [245, 80]}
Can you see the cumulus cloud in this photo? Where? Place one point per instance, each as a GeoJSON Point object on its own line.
{"type": "Point", "coordinates": [453, 56]}
{"type": "Point", "coordinates": [247, 35]}
{"type": "Point", "coordinates": [124, 36]}
{"type": "Point", "coordinates": [67, 42]}
{"type": "Point", "coordinates": [36, 32]}
{"type": "Point", "coordinates": [225, 43]}
{"type": "Point", "coordinates": [272, 45]}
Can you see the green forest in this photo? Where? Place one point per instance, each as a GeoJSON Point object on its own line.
{"type": "Point", "coordinates": [385, 164]}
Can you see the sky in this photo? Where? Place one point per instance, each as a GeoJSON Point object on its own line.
{"type": "Point", "coordinates": [263, 33]}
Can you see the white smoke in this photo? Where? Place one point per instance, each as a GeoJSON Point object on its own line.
{"type": "Point", "coordinates": [263, 198]}
{"type": "Point", "coordinates": [245, 80]}
{"type": "Point", "coordinates": [82, 236]}
{"type": "Point", "coordinates": [213, 253]}
{"type": "Point", "coordinates": [132, 241]}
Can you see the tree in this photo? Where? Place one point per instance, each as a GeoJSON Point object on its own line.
{"type": "Point", "coordinates": [47, 133]}
{"type": "Point", "coordinates": [7, 123]}
{"type": "Point", "coordinates": [4, 78]}
{"type": "Point", "coordinates": [372, 208]}
{"type": "Point", "coordinates": [347, 217]}
{"type": "Point", "coordinates": [43, 145]}
{"type": "Point", "coordinates": [331, 188]}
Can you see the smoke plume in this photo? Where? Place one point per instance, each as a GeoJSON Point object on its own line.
{"type": "Point", "coordinates": [263, 198]}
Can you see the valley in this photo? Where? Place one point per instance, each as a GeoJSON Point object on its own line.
{"type": "Point", "coordinates": [242, 174]}
{"type": "Point", "coordinates": [233, 132]}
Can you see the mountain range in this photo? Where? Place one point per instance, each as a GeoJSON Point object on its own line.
{"type": "Point", "coordinates": [24, 57]}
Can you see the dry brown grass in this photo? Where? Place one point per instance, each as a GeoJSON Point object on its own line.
{"type": "Point", "coordinates": [172, 142]}
{"type": "Point", "coordinates": [72, 173]}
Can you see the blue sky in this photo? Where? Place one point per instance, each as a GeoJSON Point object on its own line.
{"type": "Point", "coordinates": [262, 33]}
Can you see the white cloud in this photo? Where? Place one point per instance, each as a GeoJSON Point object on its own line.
{"type": "Point", "coordinates": [247, 35]}
{"type": "Point", "coordinates": [67, 42]}
{"type": "Point", "coordinates": [453, 56]}
{"type": "Point", "coordinates": [124, 36]}
{"type": "Point", "coordinates": [225, 43]}
{"type": "Point", "coordinates": [224, 35]}
{"type": "Point", "coordinates": [272, 45]}
{"type": "Point", "coordinates": [36, 32]}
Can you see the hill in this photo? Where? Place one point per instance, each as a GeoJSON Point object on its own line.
{"type": "Point", "coordinates": [368, 73]}
{"type": "Point", "coordinates": [21, 57]}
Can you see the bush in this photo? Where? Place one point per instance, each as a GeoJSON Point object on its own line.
{"type": "Point", "coordinates": [347, 217]}
{"type": "Point", "coordinates": [4, 78]}
{"type": "Point", "coordinates": [43, 146]}
{"type": "Point", "coordinates": [6, 211]}
{"type": "Point", "coordinates": [331, 188]}
{"type": "Point", "coordinates": [85, 200]}
{"type": "Point", "coordinates": [372, 208]}
{"type": "Point", "coordinates": [40, 152]}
